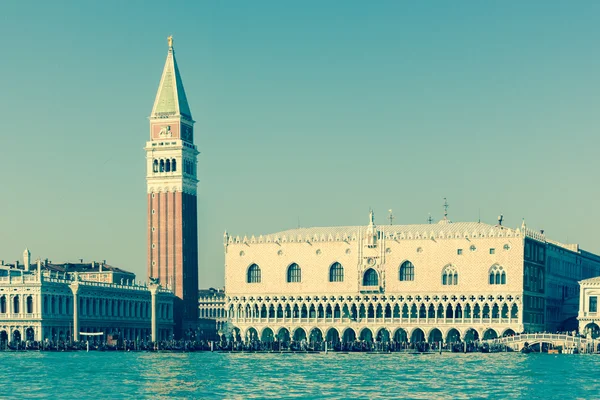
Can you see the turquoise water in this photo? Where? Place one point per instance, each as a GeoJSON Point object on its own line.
{"type": "Point", "coordinates": [80, 375]}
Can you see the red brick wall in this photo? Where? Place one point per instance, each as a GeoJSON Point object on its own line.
{"type": "Point", "coordinates": [175, 252]}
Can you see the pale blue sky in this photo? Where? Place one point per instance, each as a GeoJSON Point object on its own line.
{"type": "Point", "coordinates": [312, 110]}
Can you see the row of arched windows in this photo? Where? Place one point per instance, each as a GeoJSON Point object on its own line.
{"type": "Point", "coordinates": [294, 273]}
{"type": "Point", "coordinates": [168, 165]}
{"type": "Point", "coordinates": [371, 278]}
{"type": "Point", "coordinates": [457, 312]}
{"type": "Point", "coordinates": [16, 305]}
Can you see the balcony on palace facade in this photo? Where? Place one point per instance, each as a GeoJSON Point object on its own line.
{"type": "Point", "coordinates": [370, 289]}
{"type": "Point", "coordinates": [19, 316]}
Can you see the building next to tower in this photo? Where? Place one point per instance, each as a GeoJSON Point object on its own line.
{"type": "Point", "coordinates": [171, 158]}
{"type": "Point", "coordinates": [410, 283]}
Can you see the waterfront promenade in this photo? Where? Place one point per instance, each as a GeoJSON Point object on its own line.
{"type": "Point", "coordinates": [534, 342]}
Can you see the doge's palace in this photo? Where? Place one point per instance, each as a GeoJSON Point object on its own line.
{"type": "Point", "coordinates": [431, 282]}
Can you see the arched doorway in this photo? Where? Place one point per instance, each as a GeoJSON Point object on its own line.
{"type": "Point", "coordinates": [299, 334]}
{"type": "Point", "coordinates": [315, 335]}
{"type": "Point", "coordinates": [3, 338]}
{"type": "Point", "coordinates": [592, 329]}
{"type": "Point", "coordinates": [435, 336]}
{"type": "Point", "coordinates": [349, 335]}
{"type": "Point", "coordinates": [267, 335]}
{"type": "Point", "coordinates": [417, 336]}
{"type": "Point", "coordinates": [400, 336]}
{"type": "Point", "coordinates": [333, 336]}
{"type": "Point", "coordinates": [383, 335]}
{"type": "Point", "coordinates": [16, 336]}
{"type": "Point", "coordinates": [283, 335]}
{"type": "Point", "coordinates": [236, 333]}
{"type": "Point", "coordinates": [29, 334]}
{"type": "Point", "coordinates": [366, 335]}
{"type": "Point", "coordinates": [251, 334]}
{"type": "Point", "coordinates": [490, 334]}
{"type": "Point", "coordinates": [508, 332]}
{"type": "Point", "coordinates": [453, 336]}
{"type": "Point", "coordinates": [471, 335]}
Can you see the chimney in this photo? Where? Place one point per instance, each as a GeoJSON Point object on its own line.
{"type": "Point", "coordinates": [39, 267]}
{"type": "Point", "coordinates": [101, 265]}
{"type": "Point", "coordinates": [93, 264]}
{"type": "Point", "coordinates": [17, 264]}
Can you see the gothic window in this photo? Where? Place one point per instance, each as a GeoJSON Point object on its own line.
{"type": "Point", "coordinates": [294, 273]}
{"type": "Point", "coordinates": [3, 304]}
{"type": "Point", "coordinates": [155, 166]}
{"type": "Point", "coordinates": [162, 166]}
{"type": "Point", "coordinates": [407, 271]}
{"type": "Point", "coordinates": [450, 275]}
{"type": "Point", "coordinates": [29, 305]}
{"type": "Point", "coordinates": [336, 272]}
{"type": "Point", "coordinates": [497, 275]}
{"type": "Point", "coordinates": [254, 274]}
{"type": "Point", "coordinates": [16, 305]}
{"type": "Point", "coordinates": [168, 165]}
{"type": "Point", "coordinates": [370, 278]}
{"type": "Point", "coordinates": [173, 165]}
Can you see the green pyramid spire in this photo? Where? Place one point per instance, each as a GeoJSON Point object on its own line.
{"type": "Point", "coordinates": [170, 98]}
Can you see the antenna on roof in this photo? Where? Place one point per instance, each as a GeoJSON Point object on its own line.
{"type": "Point", "coordinates": [391, 216]}
{"type": "Point", "coordinates": [446, 205]}
{"type": "Point", "coordinates": [429, 219]}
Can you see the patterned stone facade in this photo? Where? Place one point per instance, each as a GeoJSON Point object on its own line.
{"type": "Point", "coordinates": [412, 282]}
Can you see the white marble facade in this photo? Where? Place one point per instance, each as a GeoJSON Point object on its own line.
{"type": "Point", "coordinates": [444, 281]}
{"type": "Point", "coordinates": [41, 306]}
{"type": "Point", "coordinates": [589, 316]}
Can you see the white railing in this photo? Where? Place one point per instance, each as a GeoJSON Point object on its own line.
{"type": "Point", "coordinates": [537, 337]}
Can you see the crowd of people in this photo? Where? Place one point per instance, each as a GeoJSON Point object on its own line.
{"type": "Point", "coordinates": [275, 345]}
{"type": "Point", "coordinates": [241, 346]}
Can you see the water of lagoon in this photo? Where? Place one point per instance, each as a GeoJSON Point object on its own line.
{"type": "Point", "coordinates": [81, 375]}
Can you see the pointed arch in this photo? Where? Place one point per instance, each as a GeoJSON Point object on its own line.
{"type": "Point", "coordinates": [497, 275]}
{"type": "Point", "coordinates": [294, 273]}
{"type": "Point", "coordinates": [253, 274]}
{"type": "Point", "coordinates": [370, 278]}
{"type": "Point", "coordinates": [407, 271]}
{"type": "Point", "coordinates": [449, 275]}
{"type": "Point", "coordinates": [336, 272]}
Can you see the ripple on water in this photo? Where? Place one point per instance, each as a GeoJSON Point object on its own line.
{"type": "Point", "coordinates": [216, 375]}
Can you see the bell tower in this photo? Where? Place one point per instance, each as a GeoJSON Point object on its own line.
{"type": "Point", "coordinates": [171, 159]}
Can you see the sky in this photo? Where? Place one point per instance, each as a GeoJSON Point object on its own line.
{"type": "Point", "coordinates": [306, 113]}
